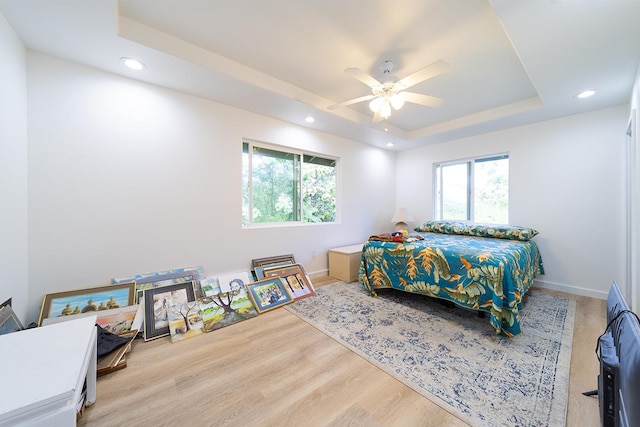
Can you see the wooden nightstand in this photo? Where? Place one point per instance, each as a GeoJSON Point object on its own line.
{"type": "Point", "coordinates": [344, 262]}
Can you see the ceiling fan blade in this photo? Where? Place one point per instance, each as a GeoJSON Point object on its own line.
{"type": "Point", "coordinates": [363, 77]}
{"type": "Point", "coordinates": [426, 73]}
{"type": "Point", "coordinates": [418, 98]}
{"type": "Point", "coordinates": [351, 101]}
{"type": "Point", "coordinates": [377, 117]}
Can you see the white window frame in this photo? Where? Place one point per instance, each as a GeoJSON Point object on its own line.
{"type": "Point", "coordinates": [437, 189]}
{"type": "Point", "coordinates": [302, 154]}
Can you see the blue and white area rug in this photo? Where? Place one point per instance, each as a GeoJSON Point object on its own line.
{"type": "Point", "coordinates": [453, 357]}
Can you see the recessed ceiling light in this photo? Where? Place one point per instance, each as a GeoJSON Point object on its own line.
{"type": "Point", "coordinates": [390, 144]}
{"type": "Point", "coordinates": [586, 93]}
{"type": "Point", "coordinates": [309, 119]}
{"type": "Point", "coordinates": [134, 64]}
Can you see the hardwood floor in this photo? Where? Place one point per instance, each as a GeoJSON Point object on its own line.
{"type": "Point", "coordinates": [277, 370]}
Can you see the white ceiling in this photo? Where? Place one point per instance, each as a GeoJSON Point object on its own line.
{"type": "Point", "coordinates": [512, 62]}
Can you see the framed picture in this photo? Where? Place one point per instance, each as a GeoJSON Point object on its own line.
{"type": "Point", "coordinates": [295, 278]}
{"type": "Point", "coordinates": [185, 321]}
{"type": "Point", "coordinates": [163, 278]}
{"type": "Point", "coordinates": [234, 281]}
{"type": "Point", "coordinates": [261, 263]}
{"type": "Point", "coordinates": [7, 302]}
{"type": "Point", "coordinates": [209, 285]}
{"type": "Point", "coordinates": [89, 299]}
{"type": "Point", "coordinates": [274, 260]}
{"type": "Point", "coordinates": [116, 320]}
{"type": "Point", "coordinates": [188, 271]}
{"type": "Point", "coordinates": [220, 309]}
{"type": "Point", "coordinates": [157, 302]}
{"type": "Point", "coordinates": [9, 322]}
{"type": "Point", "coordinates": [268, 294]}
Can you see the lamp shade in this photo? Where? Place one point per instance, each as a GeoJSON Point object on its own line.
{"type": "Point", "coordinates": [401, 215]}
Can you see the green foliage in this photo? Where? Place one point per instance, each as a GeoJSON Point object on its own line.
{"type": "Point", "coordinates": [318, 193]}
{"type": "Point", "coordinates": [285, 189]}
{"type": "Point", "coordinates": [491, 203]}
{"type": "Point", "coordinates": [274, 187]}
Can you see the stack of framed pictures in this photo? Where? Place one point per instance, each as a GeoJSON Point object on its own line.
{"type": "Point", "coordinates": [279, 276]}
{"type": "Point", "coordinates": [294, 278]}
{"type": "Point", "coordinates": [179, 303]}
{"type": "Point", "coordinates": [258, 265]}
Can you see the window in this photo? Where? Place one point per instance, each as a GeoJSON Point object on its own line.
{"type": "Point", "coordinates": [281, 185]}
{"type": "Point", "coordinates": [473, 190]}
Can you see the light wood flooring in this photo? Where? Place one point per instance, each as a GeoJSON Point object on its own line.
{"type": "Point", "coordinates": [277, 370]}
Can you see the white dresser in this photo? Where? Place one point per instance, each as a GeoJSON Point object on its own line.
{"type": "Point", "coordinates": [43, 371]}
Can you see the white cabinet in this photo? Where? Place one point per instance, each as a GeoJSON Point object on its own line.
{"type": "Point", "coordinates": [43, 371]}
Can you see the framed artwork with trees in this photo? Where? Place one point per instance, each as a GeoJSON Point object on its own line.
{"type": "Point", "coordinates": [185, 321]}
{"type": "Point", "coordinates": [220, 309]}
{"type": "Point", "coordinates": [158, 301]}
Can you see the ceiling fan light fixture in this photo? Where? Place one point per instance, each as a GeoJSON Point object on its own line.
{"type": "Point", "coordinates": [375, 104]}
{"type": "Point", "coordinates": [385, 109]}
{"type": "Point", "coordinates": [397, 101]}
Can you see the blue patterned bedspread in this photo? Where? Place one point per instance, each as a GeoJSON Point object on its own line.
{"type": "Point", "coordinates": [484, 274]}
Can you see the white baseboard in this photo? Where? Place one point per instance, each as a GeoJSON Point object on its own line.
{"type": "Point", "coordinates": [319, 273]}
{"type": "Point", "coordinates": [570, 289]}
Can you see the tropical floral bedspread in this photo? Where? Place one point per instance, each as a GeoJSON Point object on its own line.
{"type": "Point", "coordinates": [485, 274]}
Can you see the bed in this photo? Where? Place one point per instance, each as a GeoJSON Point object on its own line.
{"type": "Point", "coordinates": [486, 268]}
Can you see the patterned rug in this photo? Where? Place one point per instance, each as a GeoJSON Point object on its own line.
{"type": "Point", "coordinates": [453, 357]}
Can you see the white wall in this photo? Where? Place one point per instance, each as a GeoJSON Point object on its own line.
{"type": "Point", "coordinates": [567, 180]}
{"type": "Point", "coordinates": [13, 170]}
{"type": "Point", "coordinates": [126, 177]}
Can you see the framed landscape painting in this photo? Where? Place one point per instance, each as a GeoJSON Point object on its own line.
{"type": "Point", "coordinates": [185, 321]}
{"type": "Point", "coordinates": [294, 278]}
{"type": "Point", "coordinates": [115, 320]}
{"type": "Point", "coordinates": [268, 294]}
{"type": "Point", "coordinates": [86, 300]}
{"type": "Point", "coordinates": [220, 309]}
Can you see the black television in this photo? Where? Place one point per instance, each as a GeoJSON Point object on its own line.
{"type": "Point", "coordinates": [618, 349]}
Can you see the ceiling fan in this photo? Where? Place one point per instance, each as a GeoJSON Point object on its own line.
{"type": "Point", "coordinates": [392, 94]}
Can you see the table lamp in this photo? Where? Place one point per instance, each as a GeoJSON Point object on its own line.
{"type": "Point", "coordinates": [401, 217]}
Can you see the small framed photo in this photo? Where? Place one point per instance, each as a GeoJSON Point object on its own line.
{"type": "Point", "coordinates": [268, 294]}
{"type": "Point", "coordinates": [295, 279]}
{"type": "Point", "coordinates": [85, 300]}
{"type": "Point", "coordinates": [9, 322]}
{"type": "Point", "coordinates": [157, 302]}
